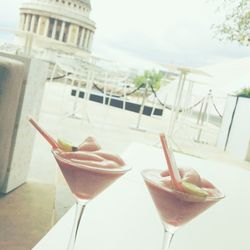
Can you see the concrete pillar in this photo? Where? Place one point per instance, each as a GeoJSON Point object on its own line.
{"type": "Point", "coordinates": [27, 22]}
{"type": "Point", "coordinates": [62, 31]}
{"type": "Point", "coordinates": [21, 84]}
{"type": "Point", "coordinates": [54, 29]}
{"type": "Point", "coordinates": [12, 75]}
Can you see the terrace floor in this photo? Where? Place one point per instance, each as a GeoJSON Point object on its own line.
{"type": "Point", "coordinates": [28, 212]}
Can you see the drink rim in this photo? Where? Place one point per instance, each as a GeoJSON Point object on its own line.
{"type": "Point", "coordinates": [122, 169]}
{"type": "Point", "coordinates": [209, 198]}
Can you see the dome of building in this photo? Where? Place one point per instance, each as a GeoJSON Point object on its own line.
{"type": "Point", "coordinates": [62, 22]}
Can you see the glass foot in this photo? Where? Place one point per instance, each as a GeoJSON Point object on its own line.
{"type": "Point", "coordinates": [80, 206]}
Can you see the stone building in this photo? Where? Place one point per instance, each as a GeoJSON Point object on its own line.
{"type": "Point", "coordinates": [58, 25]}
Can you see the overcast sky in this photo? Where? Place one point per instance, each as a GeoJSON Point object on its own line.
{"type": "Point", "coordinates": [177, 31]}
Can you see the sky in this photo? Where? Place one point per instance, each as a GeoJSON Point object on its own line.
{"type": "Point", "coordinates": [139, 32]}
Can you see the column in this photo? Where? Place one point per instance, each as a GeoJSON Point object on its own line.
{"type": "Point", "coordinates": [90, 40]}
{"type": "Point", "coordinates": [36, 17]}
{"type": "Point", "coordinates": [76, 35]}
{"type": "Point", "coordinates": [27, 22]}
{"type": "Point", "coordinates": [46, 30]}
{"type": "Point", "coordinates": [33, 19]}
{"type": "Point", "coordinates": [86, 39]}
{"type": "Point", "coordinates": [69, 33]}
{"type": "Point", "coordinates": [38, 24]}
{"type": "Point", "coordinates": [22, 21]}
{"type": "Point", "coordinates": [81, 39]}
{"type": "Point", "coordinates": [62, 31]}
{"type": "Point", "coordinates": [87, 45]}
{"type": "Point", "coordinates": [42, 25]}
{"type": "Point", "coordinates": [54, 30]}
{"type": "Point", "coordinates": [73, 34]}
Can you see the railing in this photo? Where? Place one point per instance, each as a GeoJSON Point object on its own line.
{"type": "Point", "coordinates": [104, 82]}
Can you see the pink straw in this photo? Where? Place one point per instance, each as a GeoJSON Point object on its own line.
{"type": "Point", "coordinates": [48, 138]}
{"type": "Point", "coordinates": [172, 167]}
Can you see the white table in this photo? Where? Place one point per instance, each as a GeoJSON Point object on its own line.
{"type": "Point", "coordinates": [123, 217]}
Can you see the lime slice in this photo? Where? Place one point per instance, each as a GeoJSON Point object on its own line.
{"type": "Point", "coordinates": [193, 189]}
{"type": "Point", "coordinates": [65, 146]}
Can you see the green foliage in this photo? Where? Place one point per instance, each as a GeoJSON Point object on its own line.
{"type": "Point", "coordinates": [245, 92]}
{"type": "Point", "coordinates": [236, 24]}
{"type": "Point", "coordinates": [150, 78]}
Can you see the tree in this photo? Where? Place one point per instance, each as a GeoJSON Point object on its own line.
{"type": "Point", "coordinates": [245, 92]}
{"type": "Point", "coordinates": [150, 78]}
{"type": "Point", "coordinates": [236, 24]}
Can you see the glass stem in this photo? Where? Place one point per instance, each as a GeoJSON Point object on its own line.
{"type": "Point", "coordinates": [167, 237]}
{"type": "Point", "coordinates": [80, 206]}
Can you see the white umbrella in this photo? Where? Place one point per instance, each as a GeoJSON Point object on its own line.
{"type": "Point", "coordinates": [183, 72]}
{"type": "Point", "coordinates": [228, 76]}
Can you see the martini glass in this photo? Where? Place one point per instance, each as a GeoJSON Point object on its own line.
{"type": "Point", "coordinates": [174, 207]}
{"type": "Point", "coordinates": [85, 182]}
{"type": "Point", "coordinates": [178, 200]}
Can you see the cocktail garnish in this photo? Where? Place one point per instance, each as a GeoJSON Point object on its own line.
{"type": "Point", "coordinates": [193, 189]}
{"type": "Point", "coordinates": [48, 138]}
{"type": "Point", "coordinates": [173, 170]}
{"type": "Point", "coordinates": [65, 146]}
{"type": "Point", "coordinates": [89, 144]}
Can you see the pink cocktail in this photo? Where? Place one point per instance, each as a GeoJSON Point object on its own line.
{"type": "Point", "coordinates": [179, 194]}
{"type": "Point", "coordinates": [87, 169]}
{"type": "Point", "coordinates": [86, 181]}
{"type": "Point", "coordinates": [177, 208]}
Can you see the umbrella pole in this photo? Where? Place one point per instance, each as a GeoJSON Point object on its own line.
{"type": "Point", "coordinates": [176, 107]}
{"type": "Point", "coordinates": [142, 108]}
{"type": "Point", "coordinates": [173, 106]}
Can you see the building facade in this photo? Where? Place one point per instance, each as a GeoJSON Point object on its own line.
{"type": "Point", "coordinates": [63, 25]}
